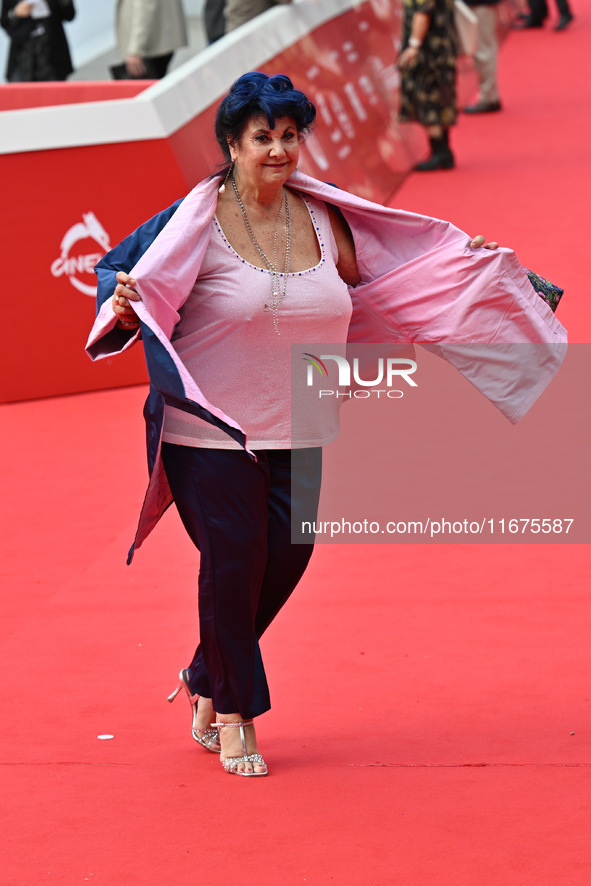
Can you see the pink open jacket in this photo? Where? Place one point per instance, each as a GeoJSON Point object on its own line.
{"type": "Point", "coordinates": [420, 282]}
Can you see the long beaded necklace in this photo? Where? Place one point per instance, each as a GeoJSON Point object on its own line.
{"type": "Point", "coordinates": [278, 280]}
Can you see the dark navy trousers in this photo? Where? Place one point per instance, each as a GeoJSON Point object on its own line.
{"type": "Point", "coordinates": [238, 513]}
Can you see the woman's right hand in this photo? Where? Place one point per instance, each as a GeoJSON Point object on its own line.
{"type": "Point", "coordinates": [121, 303]}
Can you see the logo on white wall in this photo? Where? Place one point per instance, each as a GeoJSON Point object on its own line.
{"type": "Point", "coordinates": [77, 263]}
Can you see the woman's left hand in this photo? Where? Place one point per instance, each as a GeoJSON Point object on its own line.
{"type": "Point", "coordinates": [479, 241]}
{"type": "Point", "coordinates": [407, 57]}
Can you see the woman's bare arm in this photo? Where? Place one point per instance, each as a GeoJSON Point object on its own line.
{"type": "Point", "coordinates": [347, 261]}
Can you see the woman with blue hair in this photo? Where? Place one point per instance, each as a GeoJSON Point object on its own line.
{"type": "Point", "coordinates": [257, 257]}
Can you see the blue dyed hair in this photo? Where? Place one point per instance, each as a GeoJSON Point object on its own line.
{"type": "Point", "coordinates": [257, 95]}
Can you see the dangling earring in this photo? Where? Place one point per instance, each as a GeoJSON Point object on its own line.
{"type": "Point", "coordinates": [222, 187]}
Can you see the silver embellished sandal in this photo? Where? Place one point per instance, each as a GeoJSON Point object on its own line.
{"type": "Point", "coordinates": [231, 764]}
{"type": "Point", "coordinates": [207, 738]}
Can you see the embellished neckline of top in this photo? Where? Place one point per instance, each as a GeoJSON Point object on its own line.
{"type": "Point", "coordinates": [319, 238]}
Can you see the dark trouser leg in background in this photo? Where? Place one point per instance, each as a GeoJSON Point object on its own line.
{"type": "Point", "coordinates": [538, 11]}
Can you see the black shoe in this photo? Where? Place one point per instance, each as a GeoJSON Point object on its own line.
{"type": "Point", "coordinates": [564, 20]}
{"type": "Point", "coordinates": [441, 160]}
{"type": "Point", "coordinates": [482, 108]}
{"type": "Point", "coordinates": [531, 22]}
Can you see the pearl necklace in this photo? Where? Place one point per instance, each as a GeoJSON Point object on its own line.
{"type": "Point", "coordinates": [278, 280]}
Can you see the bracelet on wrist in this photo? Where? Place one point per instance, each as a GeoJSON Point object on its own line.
{"type": "Point", "coordinates": [414, 43]}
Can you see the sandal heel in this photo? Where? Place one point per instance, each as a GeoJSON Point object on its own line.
{"type": "Point", "coordinates": [207, 738]}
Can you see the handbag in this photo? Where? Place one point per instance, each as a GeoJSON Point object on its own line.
{"type": "Point", "coordinates": [549, 292]}
{"type": "Point", "coordinates": [120, 72]}
{"type": "Point", "coordinates": [466, 25]}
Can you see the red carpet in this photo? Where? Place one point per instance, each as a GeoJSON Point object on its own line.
{"type": "Point", "coordinates": [431, 719]}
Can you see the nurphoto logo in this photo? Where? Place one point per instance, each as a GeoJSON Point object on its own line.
{"type": "Point", "coordinates": [385, 371]}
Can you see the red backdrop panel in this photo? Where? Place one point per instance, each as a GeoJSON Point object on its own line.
{"type": "Point", "coordinates": [66, 208]}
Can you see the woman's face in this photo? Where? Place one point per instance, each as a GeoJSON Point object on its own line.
{"type": "Point", "coordinates": [266, 156]}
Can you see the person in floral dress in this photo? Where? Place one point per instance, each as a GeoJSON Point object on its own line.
{"type": "Point", "coordinates": [427, 64]}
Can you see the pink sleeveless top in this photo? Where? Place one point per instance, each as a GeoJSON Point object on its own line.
{"type": "Point", "coordinates": [227, 341]}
